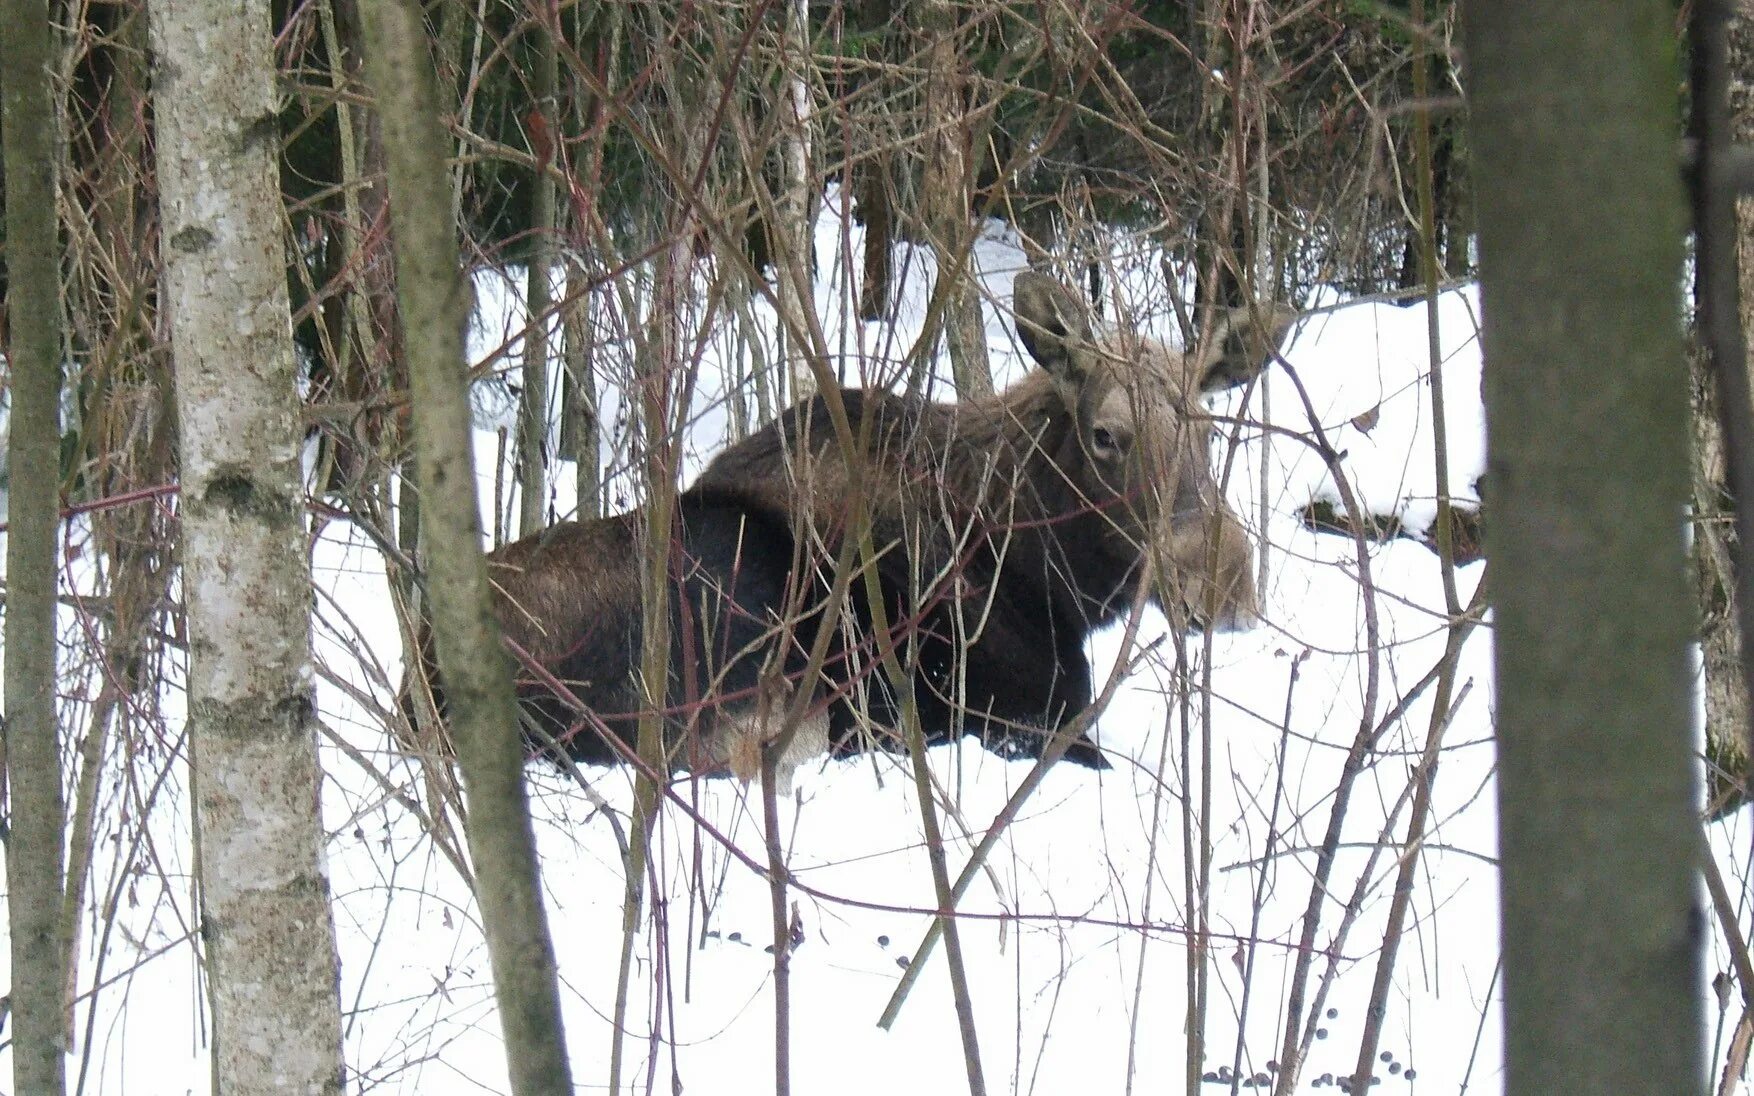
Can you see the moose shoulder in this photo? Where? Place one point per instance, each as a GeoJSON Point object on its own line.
{"type": "Point", "coordinates": [1003, 531]}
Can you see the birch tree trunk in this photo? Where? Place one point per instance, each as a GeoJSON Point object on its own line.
{"type": "Point", "coordinates": [266, 920]}
{"type": "Point", "coordinates": [794, 260]}
{"type": "Point", "coordinates": [1574, 130]}
{"type": "Point", "coordinates": [33, 757]}
{"type": "Point", "coordinates": [478, 681]}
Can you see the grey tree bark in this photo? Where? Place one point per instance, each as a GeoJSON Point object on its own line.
{"type": "Point", "coordinates": [1580, 207]}
{"type": "Point", "coordinates": [580, 436]}
{"type": "Point", "coordinates": [580, 431]}
{"type": "Point", "coordinates": [266, 921]}
{"type": "Point", "coordinates": [948, 177]}
{"type": "Point", "coordinates": [32, 743]}
{"type": "Point", "coordinates": [872, 179]}
{"type": "Point", "coordinates": [539, 296]}
{"type": "Point", "coordinates": [1726, 698]}
{"type": "Point", "coordinates": [477, 675]}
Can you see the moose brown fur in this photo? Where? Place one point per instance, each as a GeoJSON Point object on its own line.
{"type": "Point", "coordinates": [1004, 531]}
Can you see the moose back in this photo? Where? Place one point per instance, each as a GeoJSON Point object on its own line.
{"type": "Point", "coordinates": [1001, 533]}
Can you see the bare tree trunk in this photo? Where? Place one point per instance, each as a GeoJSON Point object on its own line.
{"type": "Point", "coordinates": [533, 407]}
{"type": "Point", "coordinates": [658, 384]}
{"type": "Point", "coordinates": [381, 379]}
{"type": "Point", "coordinates": [581, 427]}
{"type": "Point", "coordinates": [266, 923]}
{"type": "Point", "coordinates": [1726, 698]}
{"type": "Point", "coordinates": [872, 184]}
{"type": "Point", "coordinates": [33, 758]}
{"type": "Point", "coordinates": [948, 178]}
{"type": "Point", "coordinates": [127, 431]}
{"type": "Point", "coordinates": [1574, 129]}
{"type": "Point", "coordinates": [663, 399]}
{"type": "Point", "coordinates": [580, 430]}
{"type": "Point", "coordinates": [872, 195]}
{"type": "Point", "coordinates": [1720, 639]}
{"type": "Point", "coordinates": [477, 676]}
{"type": "Point", "coordinates": [794, 256]}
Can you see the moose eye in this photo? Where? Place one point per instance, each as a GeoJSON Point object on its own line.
{"type": "Point", "coordinates": [1103, 442]}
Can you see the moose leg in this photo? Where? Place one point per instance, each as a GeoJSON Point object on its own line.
{"type": "Point", "coordinates": [1021, 681]}
{"type": "Point", "coordinates": [1013, 682]}
{"type": "Point", "coordinates": [741, 737]}
{"type": "Point", "coordinates": [736, 634]}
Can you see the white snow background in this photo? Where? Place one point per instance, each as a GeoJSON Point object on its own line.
{"type": "Point", "coordinates": [1077, 937]}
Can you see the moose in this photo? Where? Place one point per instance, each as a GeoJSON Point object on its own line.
{"type": "Point", "coordinates": [994, 536]}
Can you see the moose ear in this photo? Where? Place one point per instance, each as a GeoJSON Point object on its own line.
{"type": "Point", "coordinates": [1242, 344]}
{"type": "Point", "coordinates": [1053, 324]}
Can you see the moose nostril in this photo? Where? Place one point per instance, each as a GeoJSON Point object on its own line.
{"type": "Point", "coordinates": [1103, 438]}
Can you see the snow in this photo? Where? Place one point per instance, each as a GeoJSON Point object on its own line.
{"type": "Point", "coordinates": [1076, 936]}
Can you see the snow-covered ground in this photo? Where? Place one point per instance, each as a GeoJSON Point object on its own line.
{"type": "Point", "coordinates": [1079, 935]}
